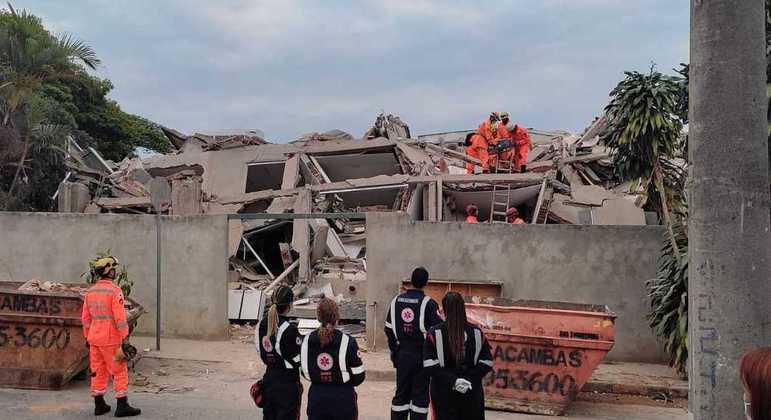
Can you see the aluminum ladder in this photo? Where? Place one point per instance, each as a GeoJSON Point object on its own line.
{"type": "Point", "coordinates": [501, 196]}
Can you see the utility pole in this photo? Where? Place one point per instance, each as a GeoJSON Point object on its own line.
{"type": "Point", "coordinates": [728, 226]}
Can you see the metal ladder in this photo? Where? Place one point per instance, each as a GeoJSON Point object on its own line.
{"type": "Point", "coordinates": [501, 193]}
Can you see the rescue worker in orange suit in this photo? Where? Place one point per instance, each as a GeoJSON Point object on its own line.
{"type": "Point", "coordinates": [330, 360]}
{"type": "Point", "coordinates": [476, 147]}
{"type": "Point", "coordinates": [279, 342]}
{"type": "Point", "coordinates": [488, 129]}
{"type": "Point", "coordinates": [105, 329]}
{"type": "Point", "coordinates": [409, 316]}
{"type": "Point", "coordinates": [471, 214]}
{"type": "Point", "coordinates": [457, 356]}
{"type": "Point", "coordinates": [522, 144]}
{"type": "Point", "coordinates": [512, 216]}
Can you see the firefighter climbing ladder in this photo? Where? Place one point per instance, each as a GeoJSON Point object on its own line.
{"type": "Point", "coordinates": [501, 193]}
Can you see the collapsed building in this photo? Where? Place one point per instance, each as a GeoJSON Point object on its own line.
{"type": "Point", "coordinates": [569, 179]}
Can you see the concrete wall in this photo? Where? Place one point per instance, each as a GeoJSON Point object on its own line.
{"type": "Point", "coordinates": [58, 246]}
{"type": "Point", "coordinates": [582, 264]}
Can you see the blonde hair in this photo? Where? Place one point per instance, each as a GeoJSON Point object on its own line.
{"type": "Point", "coordinates": [282, 298]}
{"type": "Point", "coordinates": [328, 314]}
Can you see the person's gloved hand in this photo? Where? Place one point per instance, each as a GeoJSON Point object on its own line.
{"type": "Point", "coordinates": [462, 385]}
{"type": "Point", "coordinates": [394, 358]}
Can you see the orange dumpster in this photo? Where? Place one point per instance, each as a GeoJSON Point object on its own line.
{"type": "Point", "coordinates": [544, 352]}
{"type": "Point", "coordinates": [41, 336]}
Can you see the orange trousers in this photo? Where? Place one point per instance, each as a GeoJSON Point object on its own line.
{"type": "Point", "coordinates": [103, 366]}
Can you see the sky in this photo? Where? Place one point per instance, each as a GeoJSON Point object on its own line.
{"type": "Point", "coordinates": [290, 67]}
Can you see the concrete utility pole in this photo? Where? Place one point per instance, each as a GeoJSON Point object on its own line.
{"type": "Point", "coordinates": [728, 228]}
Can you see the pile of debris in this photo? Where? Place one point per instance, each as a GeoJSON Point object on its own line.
{"type": "Point", "coordinates": [568, 180]}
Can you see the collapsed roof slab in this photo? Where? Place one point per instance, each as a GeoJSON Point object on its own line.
{"type": "Point", "coordinates": [359, 165]}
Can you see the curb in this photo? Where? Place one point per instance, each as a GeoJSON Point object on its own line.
{"type": "Point", "coordinates": [673, 391]}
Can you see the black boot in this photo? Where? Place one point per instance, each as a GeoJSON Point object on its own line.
{"type": "Point", "coordinates": [100, 407]}
{"type": "Point", "coordinates": [125, 410]}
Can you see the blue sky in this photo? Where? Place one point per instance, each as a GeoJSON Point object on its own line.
{"type": "Point", "coordinates": [291, 67]}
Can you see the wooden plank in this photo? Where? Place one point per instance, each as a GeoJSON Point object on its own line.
{"type": "Point", "coordinates": [291, 173]}
{"type": "Point", "coordinates": [453, 153]}
{"type": "Point", "coordinates": [439, 199]}
{"type": "Point", "coordinates": [432, 202]}
{"type": "Point", "coordinates": [301, 234]}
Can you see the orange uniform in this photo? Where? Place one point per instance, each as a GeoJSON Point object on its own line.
{"type": "Point", "coordinates": [472, 219]}
{"type": "Point", "coordinates": [521, 139]}
{"type": "Point", "coordinates": [105, 328]}
{"type": "Point", "coordinates": [477, 149]}
{"type": "Point", "coordinates": [489, 131]}
{"type": "Point", "coordinates": [517, 221]}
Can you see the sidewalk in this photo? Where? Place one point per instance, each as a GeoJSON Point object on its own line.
{"type": "Point", "coordinates": [609, 378]}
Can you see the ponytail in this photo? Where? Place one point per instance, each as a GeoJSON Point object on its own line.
{"type": "Point", "coordinates": [455, 312]}
{"type": "Point", "coordinates": [282, 298]}
{"type": "Point", "coordinates": [272, 320]}
{"type": "Point", "coordinates": [328, 315]}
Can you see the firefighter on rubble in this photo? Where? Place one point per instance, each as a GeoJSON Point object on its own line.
{"type": "Point", "coordinates": [106, 330]}
{"type": "Point", "coordinates": [331, 361]}
{"type": "Point", "coordinates": [279, 342]}
{"type": "Point", "coordinates": [457, 356]}
{"type": "Point", "coordinates": [409, 316]}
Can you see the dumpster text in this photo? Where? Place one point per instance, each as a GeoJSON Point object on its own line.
{"type": "Point", "coordinates": [31, 304]}
{"type": "Point", "coordinates": [526, 380]}
{"type": "Point", "coordinates": [33, 337]}
{"type": "Point", "coordinates": [538, 356]}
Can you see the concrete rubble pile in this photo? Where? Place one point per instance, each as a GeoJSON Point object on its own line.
{"type": "Point", "coordinates": [237, 172]}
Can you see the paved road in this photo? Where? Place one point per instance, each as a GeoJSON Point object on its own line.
{"type": "Point", "coordinates": [74, 403]}
{"type": "Point", "coordinates": [174, 388]}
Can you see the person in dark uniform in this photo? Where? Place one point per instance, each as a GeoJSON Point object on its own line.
{"type": "Point", "coordinates": [279, 342]}
{"type": "Point", "coordinates": [456, 356]}
{"type": "Point", "coordinates": [409, 317]}
{"type": "Point", "coordinates": [331, 361]}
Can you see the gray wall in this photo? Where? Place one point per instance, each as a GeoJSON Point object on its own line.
{"type": "Point", "coordinates": [574, 263]}
{"type": "Point", "coordinates": [58, 246]}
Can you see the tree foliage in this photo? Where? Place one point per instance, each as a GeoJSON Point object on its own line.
{"type": "Point", "coordinates": [47, 94]}
{"type": "Point", "coordinates": [668, 294]}
{"type": "Point", "coordinates": [645, 123]}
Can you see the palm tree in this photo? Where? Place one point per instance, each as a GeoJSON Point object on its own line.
{"type": "Point", "coordinates": [644, 134]}
{"type": "Point", "coordinates": [29, 57]}
{"type": "Point", "coordinates": [645, 120]}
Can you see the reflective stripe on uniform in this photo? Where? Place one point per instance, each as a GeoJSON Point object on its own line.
{"type": "Point", "coordinates": [389, 325]}
{"type": "Point", "coordinates": [487, 362]}
{"type": "Point", "coordinates": [281, 328]}
{"type": "Point", "coordinates": [430, 362]}
{"type": "Point", "coordinates": [398, 408]}
{"type": "Point", "coordinates": [393, 319]}
{"type": "Point", "coordinates": [304, 358]}
{"type": "Point", "coordinates": [419, 410]}
{"type": "Point", "coordinates": [296, 359]}
{"type": "Point", "coordinates": [358, 370]}
{"type": "Point", "coordinates": [439, 347]}
{"type": "Point", "coordinates": [102, 317]}
{"type": "Point", "coordinates": [478, 344]}
{"type": "Point", "coordinates": [423, 314]}
{"type": "Point", "coordinates": [341, 357]}
{"type": "Point", "coordinates": [101, 291]}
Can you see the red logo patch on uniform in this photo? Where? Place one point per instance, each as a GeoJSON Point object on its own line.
{"type": "Point", "coordinates": [266, 344]}
{"type": "Point", "coordinates": [324, 361]}
{"type": "Point", "coordinates": [408, 315]}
